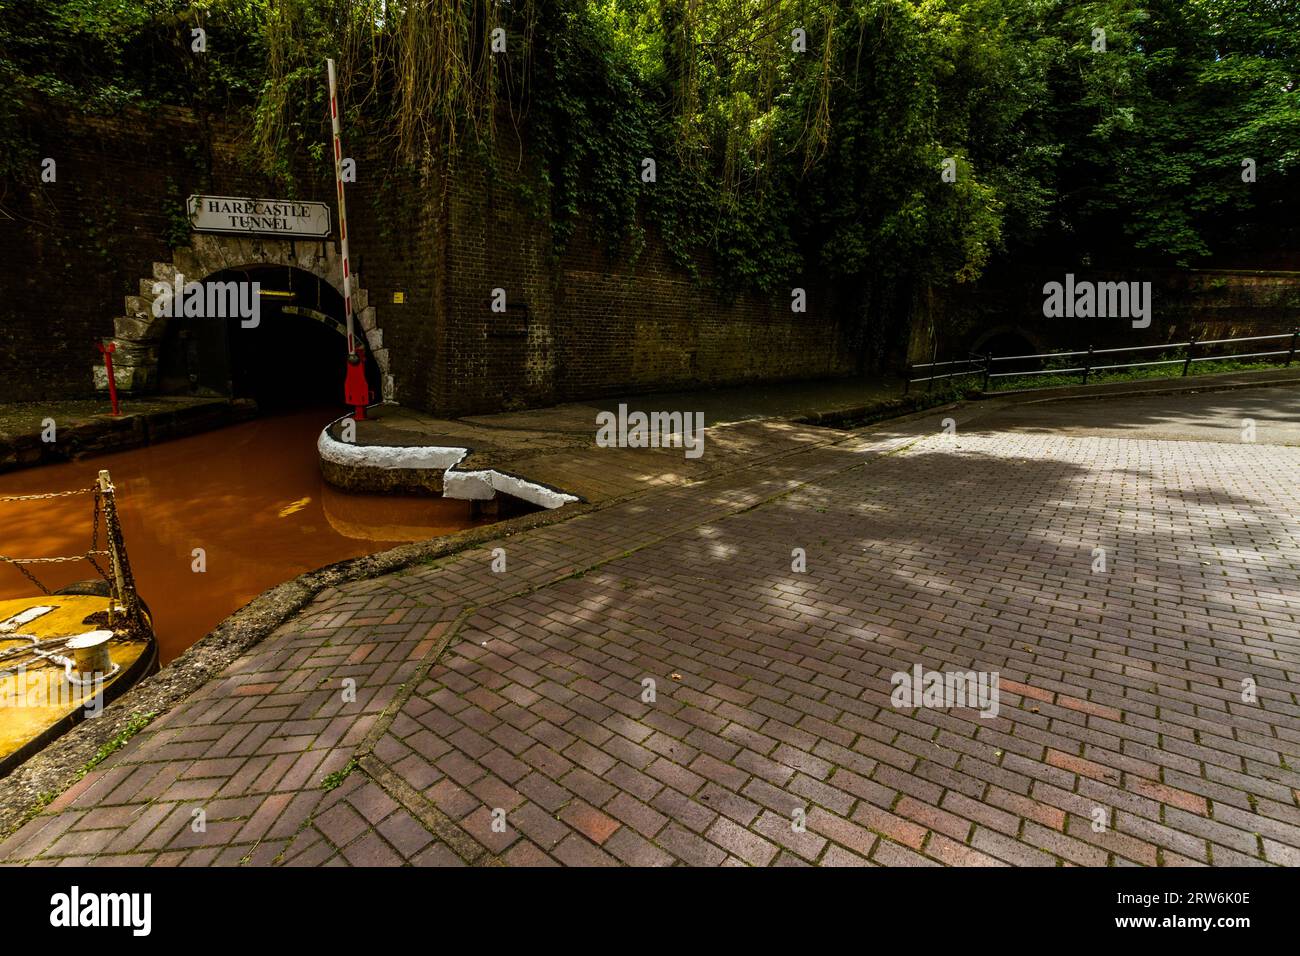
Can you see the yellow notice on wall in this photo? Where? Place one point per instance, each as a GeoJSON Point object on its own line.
{"type": "Point", "coordinates": [399, 298]}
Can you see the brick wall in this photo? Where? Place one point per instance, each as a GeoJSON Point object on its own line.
{"type": "Point", "coordinates": [579, 325]}
{"type": "Point", "coordinates": [76, 247]}
{"type": "Point", "coordinates": [576, 325]}
{"type": "Point", "coordinates": [1205, 303]}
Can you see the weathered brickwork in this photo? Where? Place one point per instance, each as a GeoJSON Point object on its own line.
{"type": "Point", "coordinates": [1202, 303]}
{"type": "Point", "coordinates": [579, 325]}
{"type": "Point", "coordinates": [575, 326]}
{"type": "Point", "coordinates": [63, 251]}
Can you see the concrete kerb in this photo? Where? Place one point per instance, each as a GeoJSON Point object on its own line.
{"type": "Point", "coordinates": [143, 422]}
{"type": "Point", "coordinates": [480, 484]}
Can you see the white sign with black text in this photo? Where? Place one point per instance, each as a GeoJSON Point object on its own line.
{"type": "Point", "coordinates": [259, 217]}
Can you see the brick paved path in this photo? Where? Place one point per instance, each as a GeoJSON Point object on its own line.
{"type": "Point", "coordinates": [519, 697]}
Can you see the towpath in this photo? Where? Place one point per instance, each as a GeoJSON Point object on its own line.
{"type": "Point", "coordinates": [700, 673]}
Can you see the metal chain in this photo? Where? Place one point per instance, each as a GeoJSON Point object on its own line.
{"type": "Point", "coordinates": [89, 556]}
{"type": "Point", "coordinates": [52, 494]}
{"type": "Point", "coordinates": [29, 576]}
{"type": "Point", "coordinates": [119, 569]}
{"type": "Point", "coordinates": [94, 536]}
{"type": "Point", "coordinates": [75, 557]}
{"type": "Point", "coordinates": [117, 549]}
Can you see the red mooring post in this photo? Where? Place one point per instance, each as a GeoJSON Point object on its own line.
{"type": "Point", "coordinates": [107, 351]}
{"type": "Point", "coordinates": [356, 390]}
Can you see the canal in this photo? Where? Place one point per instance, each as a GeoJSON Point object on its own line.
{"type": "Point", "coordinates": [250, 496]}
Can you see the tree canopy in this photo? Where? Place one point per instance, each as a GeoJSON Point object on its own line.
{"type": "Point", "coordinates": [886, 144]}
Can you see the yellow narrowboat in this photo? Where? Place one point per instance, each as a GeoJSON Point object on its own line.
{"type": "Point", "coordinates": [66, 655]}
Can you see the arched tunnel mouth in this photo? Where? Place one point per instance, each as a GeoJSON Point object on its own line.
{"type": "Point", "coordinates": [291, 353]}
{"type": "Point", "coordinates": [1005, 342]}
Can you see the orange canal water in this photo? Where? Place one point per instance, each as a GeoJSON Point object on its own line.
{"type": "Point", "coordinates": [251, 496]}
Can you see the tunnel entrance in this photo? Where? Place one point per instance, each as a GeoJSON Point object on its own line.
{"type": "Point", "coordinates": [293, 356]}
{"type": "Point", "coordinates": [1004, 342]}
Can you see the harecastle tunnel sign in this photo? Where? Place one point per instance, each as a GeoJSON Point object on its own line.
{"type": "Point", "coordinates": [277, 247]}
{"type": "Point", "coordinates": [260, 217]}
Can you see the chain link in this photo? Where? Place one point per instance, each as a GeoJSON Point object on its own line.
{"type": "Point", "coordinates": [119, 569]}
{"type": "Point", "coordinates": [88, 556]}
{"type": "Point", "coordinates": [45, 497]}
{"type": "Point", "coordinates": [31, 577]}
{"type": "Point", "coordinates": [75, 557]}
{"type": "Point", "coordinates": [94, 534]}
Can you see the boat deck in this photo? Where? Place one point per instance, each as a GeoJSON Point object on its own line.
{"type": "Point", "coordinates": [37, 701]}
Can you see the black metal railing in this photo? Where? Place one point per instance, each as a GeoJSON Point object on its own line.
{"type": "Point", "coordinates": [1193, 351]}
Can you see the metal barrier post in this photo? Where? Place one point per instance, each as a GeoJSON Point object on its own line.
{"type": "Point", "coordinates": [1087, 365]}
{"type": "Point", "coordinates": [107, 351]}
{"type": "Point", "coordinates": [120, 570]}
{"type": "Point", "coordinates": [988, 367]}
{"type": "Point", "coordinates": [1191, 344]}
{"type": "Point", "coordinates": [1295, 334]}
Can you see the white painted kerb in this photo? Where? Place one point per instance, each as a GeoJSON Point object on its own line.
{"type": "Point", "coordinates": [480, 485]}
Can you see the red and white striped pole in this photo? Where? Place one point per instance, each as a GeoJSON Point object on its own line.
{"type": "Point", "coordinates": [343, 211]}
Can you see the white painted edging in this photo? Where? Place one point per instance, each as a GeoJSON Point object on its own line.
{"type": "Point", "coordinates": [481, 485]}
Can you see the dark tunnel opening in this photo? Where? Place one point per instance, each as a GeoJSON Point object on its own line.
{"type": "Point", "coordinates": [290, 353]}
{"type": "Point", "coordinates": [1004, 343]}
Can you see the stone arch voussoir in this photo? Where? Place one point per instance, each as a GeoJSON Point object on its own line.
{"type": "Point", "coordinates": [138, 333]}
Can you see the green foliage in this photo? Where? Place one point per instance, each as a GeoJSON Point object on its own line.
{"type": "Point", "coordinates": [773, 161]}
{"type": "Point", "coordinates": [1153, 132]}
{"type": "Point", "coordinates": [1020, 382]}
{"type": "Point", "coordinates": [135, 723]}
{"type": "Point", "coordinates": [178, 222]}
{"type": "Point", "coordinates": [107, 53]}
{"type": "Point", "coordinates": [333, 781]}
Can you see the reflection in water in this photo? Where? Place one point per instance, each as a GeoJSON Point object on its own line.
{"type": "Point", "coordinates": [251, 496]}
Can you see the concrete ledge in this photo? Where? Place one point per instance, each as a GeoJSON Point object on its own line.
{"type": "Point", "coordinates": [86, 433]}
{"type": "Point", "coordinates": [356, 467]}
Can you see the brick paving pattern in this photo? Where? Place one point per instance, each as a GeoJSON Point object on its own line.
{"type": "Point", "coordinates": [503, 717]}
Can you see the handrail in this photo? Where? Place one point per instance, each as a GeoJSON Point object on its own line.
{"type": "Point", "coordinates": [1008, 358]}
{"type": "Point", "coordinates": [1248, 338]}
{"type": "Point", "coordinates": [982, 365]}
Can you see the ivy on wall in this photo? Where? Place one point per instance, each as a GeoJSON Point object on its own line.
{"type": "Point", "coordinates": [889, 146]}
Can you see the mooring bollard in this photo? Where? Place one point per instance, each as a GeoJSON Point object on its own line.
{"type": "Point", "coordinates": [91, 659]}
